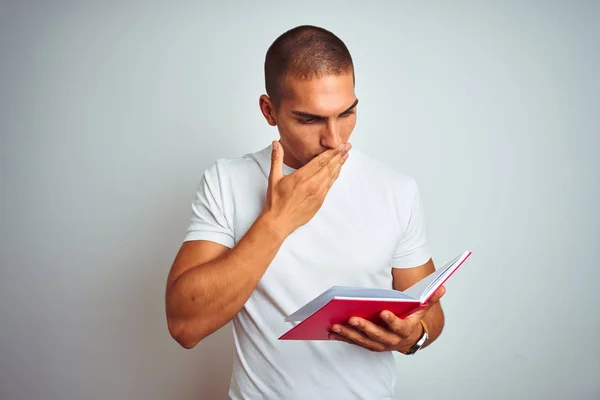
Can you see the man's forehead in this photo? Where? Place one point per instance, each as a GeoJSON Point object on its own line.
{"type": "Point", "coordinates": [326, 95]}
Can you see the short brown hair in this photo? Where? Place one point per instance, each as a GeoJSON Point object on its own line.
{"type": "Point", "coordinates": [304, 52]}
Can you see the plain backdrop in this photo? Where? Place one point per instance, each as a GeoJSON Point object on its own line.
{"type": "Point", "coordinates": [110, 111]}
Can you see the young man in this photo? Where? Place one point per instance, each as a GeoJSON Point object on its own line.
{"type": "Point", "coordinates": [273, 229]}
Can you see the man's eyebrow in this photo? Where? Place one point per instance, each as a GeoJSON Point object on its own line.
{"type": "Point", "coordinates": [351, 107]}
{"type": "Point", "coordinates": [315, 116]}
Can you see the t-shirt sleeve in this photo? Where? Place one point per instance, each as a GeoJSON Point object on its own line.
{"type": "Point", "coordinates": [412, 250]}
{"type": "Point", "coordinates": [208, 221]}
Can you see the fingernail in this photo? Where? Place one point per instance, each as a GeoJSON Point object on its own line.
{"type": "Point", "coordinates": [275, 145]}
{"type": "Point", "coordinates": [336, 329]}
{"type": "Point", "coordinates": [347, 147]}
{"type": "Point", "coordinates": [346, 156]}
{"type": "Point", "coordinates": [354, 323]}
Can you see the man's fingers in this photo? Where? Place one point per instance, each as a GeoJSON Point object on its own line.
{"type": "Point", "coordinates": [316, 164]}
{"type": "Point", "coordinates": [375, 332]}
{"type": "Point", "coordinates": [331, 171]}
{"type": "Point", "coordinates": [276, 163]}
{"type": "Point", "coordinates": [320, 162]}
{"type": "Point", "coordinates": [423, 310]}
{"type": "Point", "coordinates": [437, 295]}
{"type": "Point", "coordinates": [356, 337]}
{"type": "Point", "coordinates": [399, 326]}
{"type": "Point", "coordinates": [334, 171]}
{"type": "Point", "coordinates": [337, 336]}
{"type": "Point", "coordinates": [433, 300]}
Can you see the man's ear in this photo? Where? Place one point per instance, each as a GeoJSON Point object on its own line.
{"type": "Point", "coordinates": [268, 109]}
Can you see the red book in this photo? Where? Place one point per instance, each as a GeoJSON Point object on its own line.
{"type": "Point", "coordinates": [339, 303]}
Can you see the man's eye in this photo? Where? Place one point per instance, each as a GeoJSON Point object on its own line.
{"type": "Point", "coordinates": [307, 121]}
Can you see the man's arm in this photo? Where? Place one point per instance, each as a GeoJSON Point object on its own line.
{"type": "Point", "coordinates": [208, 283]}
{"type": "Point", "coordinates": [434, 318]}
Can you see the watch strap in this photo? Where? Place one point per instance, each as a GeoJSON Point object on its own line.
{"type": "Point", "coordinates": [424, 337]}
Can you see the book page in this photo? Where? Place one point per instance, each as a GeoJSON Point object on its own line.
{"type": "Point", "coordinates": [345, 292]}
{"type": "Point", "coordinates": [425, 287]}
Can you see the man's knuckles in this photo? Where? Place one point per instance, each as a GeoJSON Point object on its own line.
{"type": "Point", "coordinates": [311, 188]}
{"type": "Point", "coordinates": [395, 341]}
{"type": "Point", "coordinates": [401, 328]}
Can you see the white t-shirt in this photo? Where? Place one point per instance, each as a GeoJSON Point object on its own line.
{"type": "Point", "coordinates": [371, 221]}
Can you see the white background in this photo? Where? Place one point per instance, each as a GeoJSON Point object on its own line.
{"type": "Point", "coordinates": [110, 111]}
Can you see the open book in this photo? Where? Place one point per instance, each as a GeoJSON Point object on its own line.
{"type": "Point", "coordinates": [339, 303]}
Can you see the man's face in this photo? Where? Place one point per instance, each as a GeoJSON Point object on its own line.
{"type": "Point", "coordinates": [314, 115]}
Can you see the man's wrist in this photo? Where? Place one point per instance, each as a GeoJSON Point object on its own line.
{"type": "Point", "coordinates": [414, 338]}
{"type": "Point", "coordinates": [269, 223]}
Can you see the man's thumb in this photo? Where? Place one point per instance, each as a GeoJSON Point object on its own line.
{"type": "Point", "coordinates": [276, 162]}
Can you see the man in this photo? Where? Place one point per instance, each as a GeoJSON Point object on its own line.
{"type": "Point", "coordinates": [273, 229]}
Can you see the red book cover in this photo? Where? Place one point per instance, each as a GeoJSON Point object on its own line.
{"type": "Point", "coordinates": [339, 303]}
{"type": "Point", "coordinates": [339, 310]}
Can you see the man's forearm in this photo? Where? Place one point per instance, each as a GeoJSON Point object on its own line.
{"type": "Point", "coordinates": [434, 320]}
{"type": "Point", "coordinates": [208, 296]}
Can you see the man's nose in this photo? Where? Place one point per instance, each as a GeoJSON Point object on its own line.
{"type": "Point", "coordinates": [330, 138]}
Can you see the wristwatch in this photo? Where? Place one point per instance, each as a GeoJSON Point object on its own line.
{"type": "Point", "coordinates": [420, 342]}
